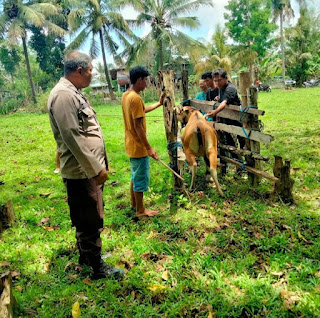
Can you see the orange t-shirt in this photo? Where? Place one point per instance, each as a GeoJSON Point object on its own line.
{"type": "Point", "coordinates": [133, 108]}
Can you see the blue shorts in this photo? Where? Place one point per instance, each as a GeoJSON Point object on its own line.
{"type": "Point", "coordinates": [140, 173]}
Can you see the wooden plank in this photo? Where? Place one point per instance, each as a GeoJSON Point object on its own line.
{"type": "Point", "coordinates": [255, 171]}
{"type": "Point", "coordinates": [244, 152]}
{"type": "Point", "coordinates": [206, 106]}
{"type": "Point", "coordinates": [254, 135]}
{"type": "Point", "coordinates": [7, 300]}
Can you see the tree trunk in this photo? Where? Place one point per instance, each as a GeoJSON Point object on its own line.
{"type": "Point", "coordinates": [160, 55]}
{"type": "Point", "coordinates": [106, 71]}
{"type": "Point", "coordinates": [282, 49]}
{"type": "Point", "coordinates": [25, 50]}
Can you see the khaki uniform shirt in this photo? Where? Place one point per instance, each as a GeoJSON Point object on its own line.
{"type": "Point", "coordinates": [133, 108]}
{"type": "Point", "coordinates": [77, 132]}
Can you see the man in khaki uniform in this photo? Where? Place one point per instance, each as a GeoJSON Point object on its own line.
{"type": "Point", "coordinates": [83, 160]}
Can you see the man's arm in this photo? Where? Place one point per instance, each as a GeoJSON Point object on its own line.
{"type": "Point", "coordinates": [138, 126]}
{"type": "Point", "coordinates": [214, 112]}
{"type": "Point", "coordinates": [156, 105]}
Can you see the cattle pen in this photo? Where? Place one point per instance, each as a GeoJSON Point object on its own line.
{"type": "Point", "coordinates": [248, 114]}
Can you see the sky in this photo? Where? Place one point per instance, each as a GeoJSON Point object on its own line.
{"type": "Point", "coordinates": [209, 18]}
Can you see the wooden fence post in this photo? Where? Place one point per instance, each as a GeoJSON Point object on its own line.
{"type": "Point", "coordinates": [284, 187]}
{"type": "Point", "coordinates": [171, 122]}
{"type": "Point", "coordinates": [7, 215]}
{"type": "Point", "coordinates": [7, 301]}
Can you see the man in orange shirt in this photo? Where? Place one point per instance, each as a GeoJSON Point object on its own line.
{"type": "Point", "coordinates": [136, 142]}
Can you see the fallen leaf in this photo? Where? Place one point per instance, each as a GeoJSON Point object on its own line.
{"type": "Point", "coordinates": [305, 188]}
{"type": "Point", "coordinates": [277, 273]}
{"type": "Point", "coordinates": [316, 205]}
{"type": "Point", "coordinates": [201, 194]}
{"type": "Point", "coordinates": [159, 268]}
{"type": "Point", "coordinates": [258, 235]}
{"type": "Point", "coordinates": [151, 235]}
{"type": "Point", "coordinates": [87, 281]}
{"type": "Point", "coordinates": [156, 288]}
{"type": "Point", "coordinates": [290, 299]}
{"type": "Point", "coordinates": [4, 264]}
{"type": "Point", "coordinates": [45, 194]}
{"type": "Point", "coordinates": [76, 312]}
{"type": "Point", "coordinates": [37, 179]}
{"type": "Point", "coordinates": [287, 227]}
{"type": "Point", "coordinates": [302, 238]}
{"type": "Point", "coordinates": [45, 221]}
{"type": "Point", "coordinates": [197, 274]}
{"type": "Point", "coordinates": [14, 274]}
{"type": "Point", "coordinates": [268, 212]}
{"type": "Point", "coordinates": [30, 197]}
{"type": "Point", "coordinates": [72, 276]}
{"type": "Point", "coordinates": [271, 222]}
{"type": "Point", "coordinates": [254, 208]}
{"type": "Point", "coordinates": [19, 288]}
{"type": "Point", "coordinates": [145, 255]}
{"type": "Point", "coordinates": [51, 228]}
{"type": "Point", "coordinates": [46, 267]}
{"type": "Point", "coordinates": [165, 275]}
{"type": "Point", "coordinates": [317, 274]}
{"type": "Point", "coordinates": [165, 258]}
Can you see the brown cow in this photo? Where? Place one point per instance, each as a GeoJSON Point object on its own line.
{"type": "Point", "coordinates": [199, 139]}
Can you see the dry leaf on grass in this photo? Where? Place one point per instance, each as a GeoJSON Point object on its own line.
{"type": "Point", "coordinates": [290, 299]}
{"type": "Point", "coordinates": [302, 238]}
{"type": "Point", "coordinates": [165, 275]}
{"type": "Point", "coordinates": [45, 221]}
{"type": "Point", "coordinates": [76, 312]}
{"type": "Point", "coordinates": [156, 288]}
{"type": "Point", "coordinates": [14, 274]}
{"type": "Point", "coordinates": [317, 274]}
{"type": "Point", "coordinates": [279, 274]}
{"type": "Point", "coordinates": [87, 281]}
{"type": "Point", "coordinates": [19, 288]}
{"type": "Point", "coordinates": [51, 228]}
{"type": "Point", "coordinates": [4, 264]}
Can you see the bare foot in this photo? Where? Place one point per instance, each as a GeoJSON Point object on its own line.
{"type": "Point", "coordinates": [146, 212]}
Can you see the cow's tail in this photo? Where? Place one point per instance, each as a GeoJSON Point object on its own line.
{"type": "Point", "coordinates": [201, 135]}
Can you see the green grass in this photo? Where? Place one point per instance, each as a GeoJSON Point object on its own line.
{"type": "Point", "coordinates": [245, 256]}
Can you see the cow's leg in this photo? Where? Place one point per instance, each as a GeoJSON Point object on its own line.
{"type": "Point", "coordinates": [212, 154]}
{"type": "Point", "coordinates": [208, 174]}
{"type": "Point", "coordinates": [191, 159]}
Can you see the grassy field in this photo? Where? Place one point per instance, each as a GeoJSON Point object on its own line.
{"type": "Point", "coordinates": [203, 256]}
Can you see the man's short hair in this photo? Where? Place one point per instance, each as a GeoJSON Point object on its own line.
{"type": "Point", "coordinates": [75, 59]}
{"type": "Point", "coordinates": [220, 72]}
{"type": "Point", "coordinates": [206, 75]}
{"type": "Point", "coordinates": [137, 72]}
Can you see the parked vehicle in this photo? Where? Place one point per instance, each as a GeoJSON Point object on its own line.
{"type": "Point", "coordinates": [290, 82]}
{"type": "Point", "coordinates": [311, 83]}
{"type": "Point", "coordinates": [264, 88]}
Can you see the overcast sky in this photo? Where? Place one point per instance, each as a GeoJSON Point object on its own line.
{"type": "Point", "coordinates": [209, 18]}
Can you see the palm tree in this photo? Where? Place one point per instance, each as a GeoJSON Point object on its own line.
{"type": "Point", "coordinates": [97, 18]}
{"type": "Point", "coordinates": [164, 17]}
{"type": "Point", "coordinates": [15, 18]}
{"type": "Point", "coordinates": [282, 9]}
{"type": "Point", "coordinates": [214, 54]}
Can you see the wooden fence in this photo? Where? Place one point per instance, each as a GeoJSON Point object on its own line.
{"type": "Point", "coordinates": [248, 115]}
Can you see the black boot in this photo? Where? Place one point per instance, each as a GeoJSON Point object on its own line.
{"type": "Point", "coordinates": [102, 270]}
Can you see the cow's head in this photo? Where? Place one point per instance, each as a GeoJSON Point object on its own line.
{"type": "Point", "coordinates": [185, 114]}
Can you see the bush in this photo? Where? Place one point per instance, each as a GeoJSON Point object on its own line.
{"type": "Point", "coordinates": [8, 105]}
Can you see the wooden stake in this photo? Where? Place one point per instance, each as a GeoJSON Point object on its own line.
{"type": "Point", "coordinates": [7, 215]}
{"type": "Point", "coordinates": [7, 301]}
{"type": "Point", "coordinates": [164, 164]}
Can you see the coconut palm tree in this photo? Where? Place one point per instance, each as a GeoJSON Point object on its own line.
{"type": "Point", "coordinates": [15, 18]}
{"type": "Point", "coordinates": [164, 18]}
{"type": "Point", "coordinates": [214, 54]}
{"type": "Point", "coordinates": [98, 18]}
{"type": "Point", "coordinates": [282, 9]}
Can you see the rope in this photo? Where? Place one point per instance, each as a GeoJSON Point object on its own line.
{"type": "Point", "coordinates": [185, 101]}
{"type": "Point", "coordinates": [172, 146]}
{"type": "Point", "coordinates": [242, 111]}
{"type": "Point", "coordinates": [243, 163]}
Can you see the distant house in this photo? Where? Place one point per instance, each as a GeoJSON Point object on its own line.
{"type": "Point", "coordinates": [98, 86]}
{"type": "Point", "coordinates": [122, 78]}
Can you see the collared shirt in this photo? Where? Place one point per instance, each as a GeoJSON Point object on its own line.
{"type": "Point", "coordinates": [133, 108]}
{"type": "Point", "coordinates": [77, 132]}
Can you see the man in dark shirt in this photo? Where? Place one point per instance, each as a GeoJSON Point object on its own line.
{"type": "Point", "coordinates": [212, 91]}
{"type": "Point", "coordinates": [227, 95]}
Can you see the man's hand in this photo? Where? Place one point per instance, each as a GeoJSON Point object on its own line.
{"type": "Point", "coordinates": [162, 96]}
{"type": "Point", "coordinates": [102, 177]}
{"type": "Point", "coordinates": [153, 154]}
{"type": "Point", "coordinates": [211, 113]}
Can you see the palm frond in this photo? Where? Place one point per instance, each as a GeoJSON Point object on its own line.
{"type": "Point", "coordinates": [191, 22]}
{"type": "Point", "coordinates": [46, 8]}
{"type": "Point", "coordinates": [30, 15]}
{"type": "Point", "coordinates": [94, 48]}
{"type": "Point", "coordinates": [55, 29]}
{"type": "Point", "coordinates": [16, 30]}
{"type": "Point", "coordinates": [79, 40]}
